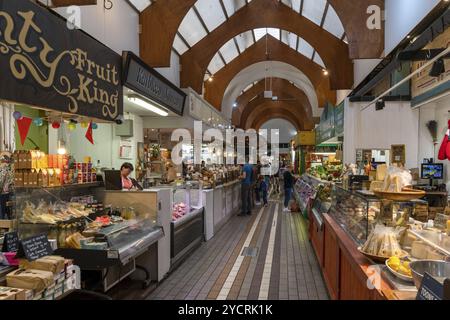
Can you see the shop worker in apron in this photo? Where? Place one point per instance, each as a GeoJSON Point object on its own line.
{"type": "Point", "coordinates": [128, 183]}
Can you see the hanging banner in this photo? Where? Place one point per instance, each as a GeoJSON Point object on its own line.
{"type": "Point", "coordinates": [46, 64]}
{"type": "Point", "coordinates": [149, 83]}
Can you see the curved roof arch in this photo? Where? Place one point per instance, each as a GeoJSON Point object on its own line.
{"type": "Point", "coordinates": [259, 71]}
{"type": "Point", "coordinates": [236, 46]}
{"type": "Point", "coordinates": [268, 14]}
{"type": "Point", "coordinates": [206, 15]}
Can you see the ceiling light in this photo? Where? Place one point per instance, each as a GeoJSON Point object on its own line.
{"type": "Point", "coordinates": [210, 79]}
{"type": "Point", "coordinates": [61, 147]}
{"type": "Point", "coordinates": [148, 106]}
{"type": "Point", "coordinates": [235, 105]}
{"type": "Point", "coordinates": [325, 72]}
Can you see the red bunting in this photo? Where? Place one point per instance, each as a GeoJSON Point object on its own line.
{"type": "Point", "coordinates": [23, 125]}
{"type": "Point", "coordinates": [89, 134]}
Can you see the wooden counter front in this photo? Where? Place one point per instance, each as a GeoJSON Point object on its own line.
{"type": "Point", "coordinates": [347, 272]}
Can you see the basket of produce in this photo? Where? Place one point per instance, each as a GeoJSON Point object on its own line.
{"type": "Point", "coordinates": [400, 268]}
{"type": "Point", "coordinates": [382, 244]}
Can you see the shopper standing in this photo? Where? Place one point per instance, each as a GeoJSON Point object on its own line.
{"type": "Point", "coordinates": [288, 187]}
{"type": "Point", "coordinates": [264, 189]}
{"type": "Point", "coordinates": [247, 180]}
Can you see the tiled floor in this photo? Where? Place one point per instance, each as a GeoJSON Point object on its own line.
{"type": "Point", "coordinates": [284, 266]}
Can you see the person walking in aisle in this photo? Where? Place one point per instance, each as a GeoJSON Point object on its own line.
{"type": "Point", "coordinates": [288, 187]}
{"type": "Point", "coordinates": [263, 187]}
{"type": "Point", "coordinates": [256, 174]}
{"type": "Point", "coordinates": [247, 180]}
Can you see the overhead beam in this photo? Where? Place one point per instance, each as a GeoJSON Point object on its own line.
{"type": "Point", "coordinates": [67, 3]}
{"type": "Point", "coordinates": [270, 14]}
{"type": "Point", "coordinates": [215, 90]}
{"type": "Point", "coordinates": [161, 21]}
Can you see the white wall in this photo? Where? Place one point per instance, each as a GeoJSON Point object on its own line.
{"type": "Point", "coordinates": [106, 144]}
{"type": "Point", "coordinates": [438, 111]}
{"type": "Point", "coordinates": [362, 68]}
{"type": "Point", "coordinates": [402, 16]}
{"type": "Point", "coordinates": [173, 72]}
{"type": "Point", "coordinates": [117, 28]}
{"type": "Point", "coordinates": [370, 129]}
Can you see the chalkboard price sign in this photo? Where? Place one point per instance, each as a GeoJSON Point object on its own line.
{"type": "Point", "coordinates": [10, 242]}
{"type": "Point", "coordinates": [34, 248]}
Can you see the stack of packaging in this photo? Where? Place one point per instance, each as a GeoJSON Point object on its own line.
{"type": "Point", "coordinates": [35, 169]}
{"type": "Point", "coordinates": [46, 278]}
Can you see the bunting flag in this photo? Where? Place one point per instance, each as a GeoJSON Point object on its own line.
{"type": "Point", "coordinates": [89, 134]}
{"type": "Point", "coordinates": [23, 125]}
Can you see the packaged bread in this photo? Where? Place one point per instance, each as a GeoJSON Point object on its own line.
{"type": "Point", "coordinates": [31, 279]}
{"type": "Point", "coordinates": [52, 264]}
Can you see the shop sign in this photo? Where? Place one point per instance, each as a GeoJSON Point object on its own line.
{"type": "Point", "coordinates": [422, 84]}
{"type": "Point", "coordinates": [339, 119]}
{"type": "Point", "coordinates": [149, 83]}
{"type": "Point", "coordinates": [47, 65]}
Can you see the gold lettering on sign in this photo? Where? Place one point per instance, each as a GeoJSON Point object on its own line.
{"type": "Point", "coordinates": [23, 61]}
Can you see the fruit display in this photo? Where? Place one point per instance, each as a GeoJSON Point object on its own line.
{"type": "Point", "coordinates": [305, 191]}
{"type": "Point", "coordinates": [179, 211]}
{"type": "Point", "coordinates": [400, 266]}
{"type": "Point", "coordinates": [326, 172]}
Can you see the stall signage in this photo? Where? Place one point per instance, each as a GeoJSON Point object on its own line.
{"type": "Point", "coordinates": [339, 119]}
{"type": "Point", "coordinates": [431, 289]}
{"type": "Point", "coordinates": [149, 83]}
{"type": "Point", "coordinates": [46, 64]}
{"type": "Point", "coordinates": [34, 248]}
{"type": "Point", "coordinates": [423, 86]}
{"type": "Point", "coordinates": [10, 242]}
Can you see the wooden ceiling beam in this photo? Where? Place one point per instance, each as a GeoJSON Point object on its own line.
{"type": "Point", "coordinates": [215, 90]}
{"type": "Point", "coordinates": [67, 3]}
{"type": "Point", "coordinates": [262, 14]}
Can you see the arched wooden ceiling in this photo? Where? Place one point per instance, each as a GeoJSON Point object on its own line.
{"type": "Point", "coordinates": [271, 110]}
{"type": "Point", "coordinates": [258, 107]}
{"type": "Point", "coordinates": [281, 88]}
{"type": "Point", "coordinates": [161, 20]}
{"type": "Point", "coordinates": [278, 51]}
{"type": "Point", "coordinates": [268, 13]}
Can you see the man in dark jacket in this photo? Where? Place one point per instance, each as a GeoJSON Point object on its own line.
{"type": "Point", "coordinates": [288, 187]}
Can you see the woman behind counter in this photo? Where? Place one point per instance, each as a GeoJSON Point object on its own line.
{"type": "Point", "coordinates": [128, 183]}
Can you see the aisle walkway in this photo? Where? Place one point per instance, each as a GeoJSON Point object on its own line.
{"type": "Point", "coordinates": [265, 256]}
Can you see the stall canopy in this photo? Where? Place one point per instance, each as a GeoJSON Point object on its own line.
{"type": "Point", "coordinates": [47, 64]}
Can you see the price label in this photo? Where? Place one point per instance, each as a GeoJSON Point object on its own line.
{"type": "Point", "coordinates": [10, 242]}
{"type": "Point", "coordinates": [34, 248]}
{"type": "Point", "coordinates": [431, 289]}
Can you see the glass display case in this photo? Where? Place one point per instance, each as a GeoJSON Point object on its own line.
{"type": "Point", "coordinates": [356, 213]}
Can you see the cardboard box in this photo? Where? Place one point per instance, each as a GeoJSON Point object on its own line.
{"type": "Point", "coordinates": [18, 178]}
{"type": "Point", "coordinates": [19, 294]}
{"type": "Point", "coordinates": [30, 279]}
{"type": "Point", "coordinates": [26, 178]}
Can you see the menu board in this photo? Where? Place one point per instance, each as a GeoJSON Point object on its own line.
{"type": "Point", "coordinates": [34, 248]}
{"type": "Point", "coordinates": [10, 242]}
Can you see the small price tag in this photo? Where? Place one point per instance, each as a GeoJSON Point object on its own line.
{"type": "Point", "coordinates": [10, 242]}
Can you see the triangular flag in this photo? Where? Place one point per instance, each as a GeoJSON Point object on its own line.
{"type": "Point", "coordinates": [89, 135]}
{"type": "Point", "coordinates": [23, 125]}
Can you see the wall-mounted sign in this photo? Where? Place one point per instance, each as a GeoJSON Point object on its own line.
{"type": "Point", "coordinates": [149, 83]}
{"type": "Point", "coordinates": [46, 64]}
{"type": "Point", "coordinates": [423, 86]}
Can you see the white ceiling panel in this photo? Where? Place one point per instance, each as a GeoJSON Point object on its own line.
{"type": "Point", "coordinates": [260, 33]}
{"type": "Point", "coordinates": [179, 45]}
{"type": "Point", "coordinates": [318, 60]}
{"type": "Point", "coordinates": [274, 32]}
{"type": "Point", "coordinates": [245, 40]}
{"type": "Point", "coordinates": [305, 49]}
{"type": "Point", "coordinates": [191, 28]}
{"type": "Point", "coordinates": [314, 10]}
{"type": "Point", "coordinates": [229, 51]}
{"type": "Point", "coordinates": [231, 6]}
{"type": "Point", "coordinates": [333, 24]}
{"type": "Point", "coordinates": [216, 64]}
{"type": "Point", "coordinates": [141, 5]}
{"type": "Point", "coordinates": [211, 12]}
